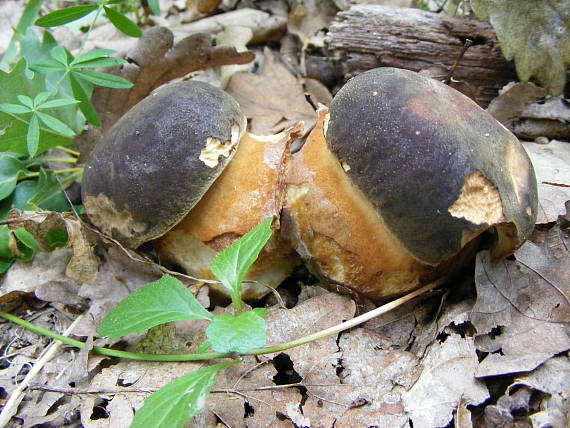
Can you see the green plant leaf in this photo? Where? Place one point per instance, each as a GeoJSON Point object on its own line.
{"type": "Point", "coordinates": [160, 302]}
{"type": "Point", "coordinates": [28, 240]}
{"type": "Point", "coordinates": [173, 405]}
{"type": "Point", "coordinates": [241, 333]}
{"type": "Point", "coordinates": [61, 55]}
{"type": "Point", "coordinates": [57, 238]}
{"type": "Point", "coordinates": [64, 16]}
{"type": "Point", "coordinates": [204, 347]}
{"type": "Point", "coordinates": [533, 33]}
{"type": "Point", "coordinates": [58, 103]}
{"type": "Point", "coordinates": [122, 23]}
{"type": "Point", "coordinates": [100, 63]}
{"type": "Point", "coordinates": [154, 6]}
{"type": "Point", "coordinates": [6, 255]}
{"type": "Point", "coordinates": [13, 134]}
{"type": "Point", "coordinates": [55, 124]}
{"type": "Point", "coordinates": [104, 79]}
{"type": "Point", "coordinates": [14, 108]}
{"type": "Point", "coordinates": [84, 99]}
{"type": "Point", "coordinates": [28, 17]}
{"type": "Point", "coordinates": [231, 265]}
{"type": "Point", "coordinates": [41, 98]}
{"type": "Point", "coordinates": [10, 169]}
{"type": "Point", "coordinates": [42, 194]}
{"type": "Point", "coordinates": [27, 101]}
{"type": "Point", "coordinates": [91, 55]}
{"type": "Point", "coordinates": [33, 136]}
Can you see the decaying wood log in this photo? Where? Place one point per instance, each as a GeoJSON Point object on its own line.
{"type": "Point", "coordinates": [369, 36]}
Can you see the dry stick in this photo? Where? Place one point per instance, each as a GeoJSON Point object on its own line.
{"type": "Point", "coordinates": [16, 397]}
{"type": "Point", "coordinates": [217, 355]}
{"type": "Point", "coordinates": [466, 46]}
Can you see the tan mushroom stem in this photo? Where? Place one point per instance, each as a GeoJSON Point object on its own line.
{"type": "Point", "coordinates": [248, 191]}
{"type": "Point", "coordinates": [339, 232]}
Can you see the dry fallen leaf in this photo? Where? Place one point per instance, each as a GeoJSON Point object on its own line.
{"type": "Point", "coordinates": [273, 99]}
{"type": "Point", "coordinates": [552, 166]}
{"type": "Point", "coordinates": [448, 377]}
{"type": "Point", "coordinates": [155, 61]}
{"type": "Point", "coordinates": [522, 305]}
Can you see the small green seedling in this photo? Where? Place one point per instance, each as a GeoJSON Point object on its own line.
{"type": "Point", "coordinates": [167, 300]}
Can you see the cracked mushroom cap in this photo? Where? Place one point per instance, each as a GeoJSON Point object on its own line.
{"type": "Point", "coordinates": [398, 183]}
{"type": "Point", "coordinates": [159, 159]}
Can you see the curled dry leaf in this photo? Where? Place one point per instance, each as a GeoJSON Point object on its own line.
{"type": "Point", "coordinates": [83, 265]}
{"type": "Point", "coordinates": [156, 60]}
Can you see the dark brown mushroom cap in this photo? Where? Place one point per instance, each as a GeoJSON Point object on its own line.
{"type": "Point", "coordinates": [437, 167]}
{"type": "Point", "coordinates": [158, 160]}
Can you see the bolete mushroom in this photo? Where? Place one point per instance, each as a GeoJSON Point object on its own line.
{"type": "Point", "coordinates": [400, 181]}
{"type": "Point", "coordinates": [182, 157]}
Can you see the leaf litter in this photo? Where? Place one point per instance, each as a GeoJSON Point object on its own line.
{"type": "Point", "coordinates": [493, 349]}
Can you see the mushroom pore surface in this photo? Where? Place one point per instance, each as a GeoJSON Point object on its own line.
{"type": "Point", "coordinates": [159, 159]}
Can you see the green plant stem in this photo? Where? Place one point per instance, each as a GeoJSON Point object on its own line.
{"type": "Point", "coordinates": [99, 9]}
{"type": "Point", "coordinates": [63, 160]}
{"type": "Point", "coordinates": [215, 355]}
{"type": "Point", "coordinates": [112, 352]}
{"type": "Point", "coordinates": [68, 151]}
{"type": "Point", "coordinates": [57, 171]}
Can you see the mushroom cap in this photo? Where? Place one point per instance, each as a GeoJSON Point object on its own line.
{"type": "Point", "coordinates": [159, 159]}
{"type": "Point", "coordinates": [438, 169]}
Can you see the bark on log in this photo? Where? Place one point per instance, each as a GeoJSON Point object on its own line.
{"type": "Point", "coordinates": [370, 36]}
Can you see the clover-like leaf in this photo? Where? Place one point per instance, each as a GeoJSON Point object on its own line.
{"type": "Point", "coordinates": [159, 302]}
{"type": "Point", "coordinates": [533, 33]}
{"type": "Point", "coordinates": [231, 265]}
{"type": "Point", "coordinates": [241, 333]}
{"type": "Point", "coordinates": [174, 404]}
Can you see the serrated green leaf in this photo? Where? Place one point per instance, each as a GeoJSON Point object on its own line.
{"type": "Point", "coordinates": [10, 169]}
{"type": "Point", "coordinates": [535, 34]}
{"type": "Point", "coordinates": [33, 136]}
{"type": "Point", "coordinates": [173, 405]}
{"type": "Point", "coordinates": [104, 79]}
{"type": "Point", "coordinates": [122, 23]}
{"type": "Point", "coordinates": [242, 333]}
{"type": "Point", "coordinates": [64, 16]}
{"type": "Point", "coordinates": [14, 108]}
{"type": "Point", "coordinates": [232, 264]}
{"type": "Point", "coordinates": [28, 240]}
{"type": "Point", "coordinates": [27, 101]}
{"type": "Point", "coordinates": [155, 7]}
{"type": "Point", "coordinates": [55, 124]}
{"type": "Point", "coordinates": [160, 302]}
{"type": "Point", "coordinates": [58, 103]}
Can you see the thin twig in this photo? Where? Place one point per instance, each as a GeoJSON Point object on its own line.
{"type": "Point", "coordinates": [466, 46]}
{"type": "Point", "coordinates": [17, 395]}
